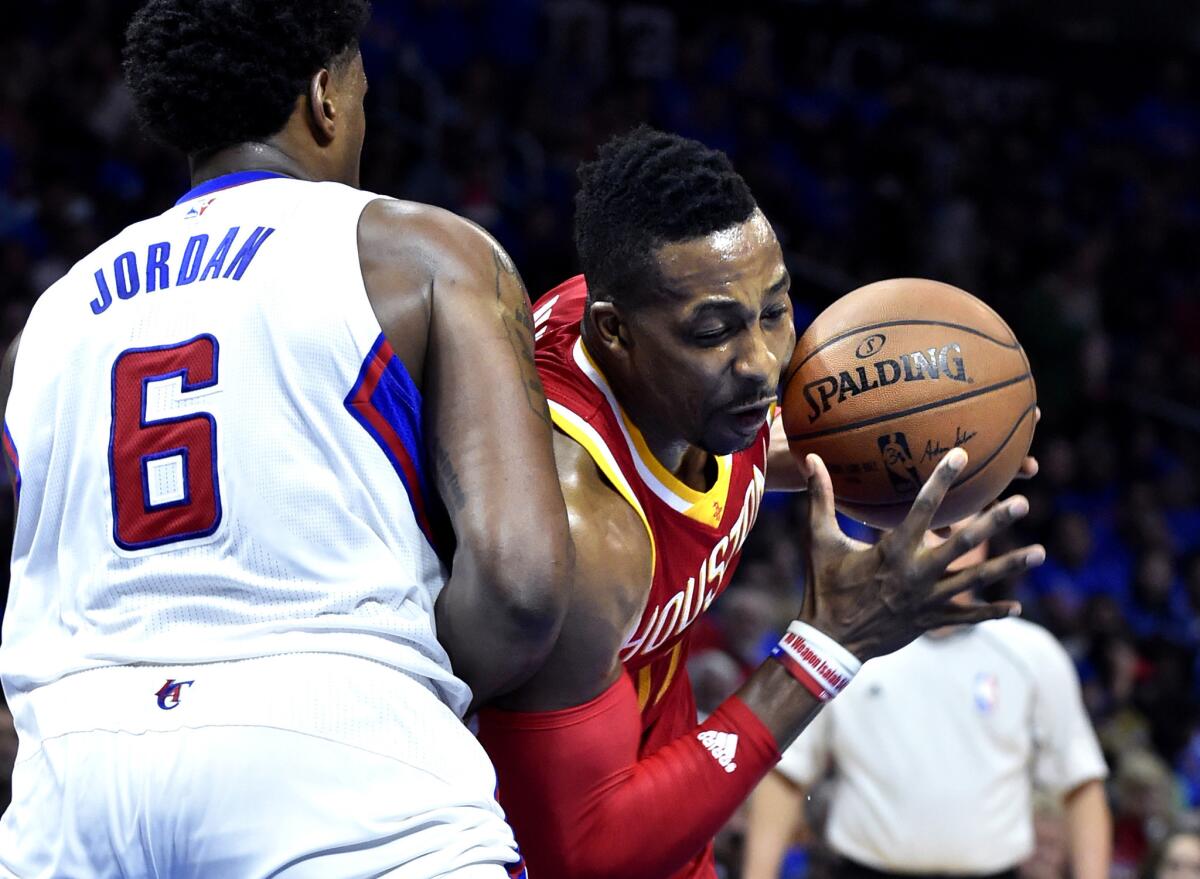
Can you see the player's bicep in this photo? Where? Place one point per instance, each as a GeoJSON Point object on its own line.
{"type": "Point", "coordinates": [490, 428]}
{"type": "Point", "coordinates": [610, 584]}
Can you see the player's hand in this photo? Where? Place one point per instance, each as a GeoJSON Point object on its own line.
{"type": "Point", "coordinates": [875, 599]}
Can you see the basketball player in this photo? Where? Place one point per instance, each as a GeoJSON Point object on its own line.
{"type": "Point", "coordinates": [232, 428]}
{"type": "Point", "coordinates": [661, 373]}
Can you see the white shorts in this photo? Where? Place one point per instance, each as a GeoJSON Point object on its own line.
{"type": "Point", "coordinates": [305, 765]}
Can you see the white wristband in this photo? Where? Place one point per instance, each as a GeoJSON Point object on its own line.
{"type": "Point", "coordinates": [810, 653]}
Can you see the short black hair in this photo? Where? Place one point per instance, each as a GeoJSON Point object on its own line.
{"type": "Point", "coordinates": [207, 74]}
{"type": "Point", "coordinates": [645, 189]}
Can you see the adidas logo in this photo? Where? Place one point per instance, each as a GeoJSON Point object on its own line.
{"type": "Point", "coordinates": [722, 745]}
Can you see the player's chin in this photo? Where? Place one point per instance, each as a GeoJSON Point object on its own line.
{"type": "Point", "coordinates": [732, 435]}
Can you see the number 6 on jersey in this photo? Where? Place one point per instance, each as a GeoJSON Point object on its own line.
{"type": "Point", "coordinates": [163, 467]}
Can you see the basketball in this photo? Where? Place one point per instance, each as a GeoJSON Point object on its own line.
{"type": "Point", "coordinates": [894, 375]}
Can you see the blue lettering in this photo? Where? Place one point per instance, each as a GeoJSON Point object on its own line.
{"type": "Point", "coordinates": [158, 276]}
{"type": "Point", "coordinates": [241, 262]}
{"type": "Point", "coordinates": [126, 271]}
{"type": "Point", "coordinates": [105, 299]}
{"type": "Point", "coordinates": [193, 256]}
{"type": "Point", "coordinates": [213, 269]}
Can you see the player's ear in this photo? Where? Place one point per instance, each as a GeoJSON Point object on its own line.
{"type": "Point", "coordinates": [322, 114]}
{"type": "Point", "coordinates": [611, 329]}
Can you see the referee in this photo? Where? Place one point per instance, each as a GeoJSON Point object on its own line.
{"type": "Point", "coordinates": [935, 752]}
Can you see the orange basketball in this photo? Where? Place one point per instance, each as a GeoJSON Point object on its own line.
{"type": "Point", "coordinates": [894, 375]}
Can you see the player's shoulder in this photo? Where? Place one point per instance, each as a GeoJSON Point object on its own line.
{"type": "Point", "coordinates": [594, 501]}
{"type": "Point", "coordinates": [571, 292]}
{"type": "Point", "coordinates": [560, 310]}
{"type": "Point", "coordinates": [1032, 643]}
{"type": "Point", "coordinates": [390, 225]}
{"type": "Point", "coordinates": [612, 544]}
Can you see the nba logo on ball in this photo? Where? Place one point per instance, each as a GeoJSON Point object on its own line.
{"type": "Point", "coordinates": [987, 692]}
{"type": "Point", "coordinates": [899, 462]}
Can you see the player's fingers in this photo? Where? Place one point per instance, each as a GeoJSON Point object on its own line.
{"type": "Point", "coordinates": [929, 498]}
{"type": "Point", "coordinates": [1029, 468]}
{"type": "Point", "coordinates": [978, 529]}
{"type": "Point", "coordinates": [985, 573]}
{"type": "Point", "coordinates": [968, 614]}
{"type": "Point", "coordinates": [822, 514]}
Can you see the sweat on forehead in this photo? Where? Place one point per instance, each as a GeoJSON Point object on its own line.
{"type": "Point", "coordinates": [744, 254]}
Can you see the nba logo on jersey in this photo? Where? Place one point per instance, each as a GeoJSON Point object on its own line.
{"type": "Point", "coordinates": [987, 692]}
{"type": "Point", "coordinates": [198, 209]}
{"type": "Point", "coordinates": [169, 692]}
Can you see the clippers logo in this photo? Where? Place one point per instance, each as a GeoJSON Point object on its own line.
{"type": "Point", "coordinates": [901, 468]}
{"type": "Point", "coordinates": [169, 692]}
{"type": "Point", "coordinates": [870, 345]}
{"type": "Point", "coordinates": [931, 363]}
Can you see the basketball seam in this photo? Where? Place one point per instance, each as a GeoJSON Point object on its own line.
{"type": "Point", "coordinates": [996, 451]}
{"type": "Point", "coordinates": [903, 502]}
{"type": "Point", "coordinates": [1011, 346]}
{"type": "Point", "coordinates": [867, 422]}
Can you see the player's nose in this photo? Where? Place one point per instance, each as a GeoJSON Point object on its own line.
{"type": "Point", "coordinates": [756, 361]}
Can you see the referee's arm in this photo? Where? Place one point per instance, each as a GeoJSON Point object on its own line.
{"type": "Point", "coordinates": [776, 818]}
{"type": "Point", "coordinates": [1069, 758]}
{"type": "Point", "coordinates": [1089, 826]}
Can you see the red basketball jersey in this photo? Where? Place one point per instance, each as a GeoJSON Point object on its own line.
{"type": "Point", "coordinates": [697, 537]}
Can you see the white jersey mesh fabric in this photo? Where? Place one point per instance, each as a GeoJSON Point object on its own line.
{"type": "Point", "coordinates": [219, 456]}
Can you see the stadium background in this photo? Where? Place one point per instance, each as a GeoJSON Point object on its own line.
{"type": "Point", "coordinates": [1045, 159]}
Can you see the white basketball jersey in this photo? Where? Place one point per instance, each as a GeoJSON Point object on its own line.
{"type": "Point", "coordinates": [219, 456]}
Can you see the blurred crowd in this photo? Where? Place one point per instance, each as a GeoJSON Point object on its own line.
{"type": "Point", "coordinates": [1049, 166]}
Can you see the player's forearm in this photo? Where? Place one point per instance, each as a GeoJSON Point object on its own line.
{"type": "Point", "coordinates": [1089, 825]}
{"type": "Point", "coordinates": [783, 705]}
{"type": "Point", "coordinates": [584, 806]}
{"type": "Point", "coordinates": [498, 621]}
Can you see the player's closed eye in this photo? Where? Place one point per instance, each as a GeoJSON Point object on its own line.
{"type": "Point", "coordinates": [714, 335]}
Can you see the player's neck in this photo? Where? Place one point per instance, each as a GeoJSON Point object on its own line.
{"type": "Point", "coordinates": [690, 464]}
{"type": "Point", "coordinates": [247, 157]}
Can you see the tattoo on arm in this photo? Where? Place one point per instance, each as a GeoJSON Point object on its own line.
{"type": "Point", "coordinates": [451, 488]}
{"type": "Point", "coordinates": [518, 324]}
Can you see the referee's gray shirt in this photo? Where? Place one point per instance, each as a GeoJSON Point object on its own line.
{"type": "Point", "coordinates": [937, 748]}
